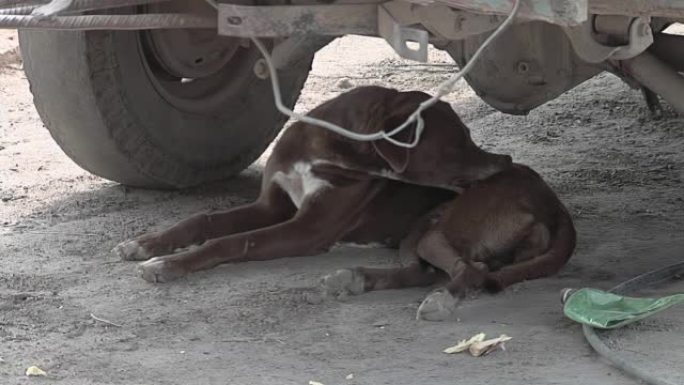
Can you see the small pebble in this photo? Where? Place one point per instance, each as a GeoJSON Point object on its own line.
{"type": "Point", "coordinates": [344, 84]}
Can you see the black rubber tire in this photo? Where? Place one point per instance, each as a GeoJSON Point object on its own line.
{"type": "Point", "coordinates": [94, 95]}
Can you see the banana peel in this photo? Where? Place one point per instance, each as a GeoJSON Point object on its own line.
{"type": "Point", "coordinates": [463, 345]}
{"type": "Point", "coordinates": [477, 345]}
{"type": "Point", "coordinates": [485, 347]}
{"type": "Point", "coordinates": [35, 371]}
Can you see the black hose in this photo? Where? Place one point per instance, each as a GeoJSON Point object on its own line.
{"type": "Point", "coordinates": [634, 284]}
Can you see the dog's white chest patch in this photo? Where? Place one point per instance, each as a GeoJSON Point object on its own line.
{"type": "Point", "coordinates": [300, 183]}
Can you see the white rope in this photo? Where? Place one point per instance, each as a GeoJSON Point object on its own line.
{"type": "Point", "coordinates": [443, 89]}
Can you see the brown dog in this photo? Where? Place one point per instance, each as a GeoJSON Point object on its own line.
{"type": "Point", "coordinates": [505, 229]}
{"type": "Point", "coordinates": [319, 188]}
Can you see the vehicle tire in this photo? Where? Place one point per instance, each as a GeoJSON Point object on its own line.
{"type": "Point", "coordinates": [162, 109]}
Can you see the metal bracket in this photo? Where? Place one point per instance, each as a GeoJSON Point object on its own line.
{"type": "Point", "coordinates": [591, 51]}
{"type": "Point", "coordinates": [440, 21]}
{"type": "Point", "coordinates": [399, 37]}
{"type": "Point", "coordinates": [640, 38]}
{"type": "Point", "coordinates": [452, 24]}
{"type": "Point", "coordinates": [323, 20]}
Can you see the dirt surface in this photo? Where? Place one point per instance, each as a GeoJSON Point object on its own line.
{"type": "Point", "coordinates": [619, 171]}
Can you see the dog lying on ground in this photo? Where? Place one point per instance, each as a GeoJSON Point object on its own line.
{"type": "Point", "coordinates": [319, 188]}
{"type": "Point", "coordinates": [505, 229]}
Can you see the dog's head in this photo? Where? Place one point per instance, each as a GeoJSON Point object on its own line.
{"type": "Point", "coordinates": [445, 155]}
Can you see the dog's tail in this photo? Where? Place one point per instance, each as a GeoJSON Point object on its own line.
{"type": "Point", "coordinates": [561, 248]}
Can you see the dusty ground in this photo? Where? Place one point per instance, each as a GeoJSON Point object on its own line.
{"type": "Point", "coordinates": [619, 171]}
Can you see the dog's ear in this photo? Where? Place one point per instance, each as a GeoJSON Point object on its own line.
{"type": "Point", "coordinates": [393, 112]}
{"type": "Point", "coordinates": [397, 157]}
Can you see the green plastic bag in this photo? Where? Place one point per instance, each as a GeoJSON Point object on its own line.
{"type": "Point", "coordinates": [604, 310]}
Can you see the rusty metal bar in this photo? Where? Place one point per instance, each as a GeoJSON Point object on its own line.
{"type": "Point", "coordinates": [18, 3]}
{"type": "Point", "coordinates": [561, 12]}
{"type": "Point", "coordinates": [569, 12]}
{"type": "Point", "coordinates": [670, 49]}
{"type": "Point", "coordinates": [76, 7]}
{"type": "Point", "coordinates": [657, 77]}
{"type": "Point", "coordinates": [19, 10]}
{"type": "Point", "coordinates": [662, 8]}
{"type": "Point", "coordinates": [109, 22]}
{"type": "Point", "coordinates": [92, 5]}
{"type": "Point", "coordinates": [287, 20]}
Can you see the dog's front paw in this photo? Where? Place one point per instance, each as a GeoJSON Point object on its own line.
{"type": "Point", "coordinates": [342, 283]}
{"type": "Point", "coordinates": [439, 305]}
{"type": "Point", "coordinates": [158, 270]}
{"type": "Point", "coordinates": [131, 251]}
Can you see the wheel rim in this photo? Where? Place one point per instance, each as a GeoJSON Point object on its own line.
{"type": "Point", "coordinates": [190, 68]}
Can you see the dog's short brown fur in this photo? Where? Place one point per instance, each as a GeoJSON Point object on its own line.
{"type": "Point", "coordinates": [319, 188]}
{"type": "Point", "coordinates": [508, 228]}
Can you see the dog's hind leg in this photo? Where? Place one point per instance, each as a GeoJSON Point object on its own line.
{"type": "Point", "coordinates": [408, 247]}
{"type": "Point", "coordinates": [273, 206]}
{"type": "Point", "coordinates": [562, 244]}
{"type": "Point", "coordinates": [440, 304]}
{"type": "Point", "coordinates": [417, 273]}
{"type": "Point", "coordinates": [363, 279]}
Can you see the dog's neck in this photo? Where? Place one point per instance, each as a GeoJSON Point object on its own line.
{"type": "Point", "coordinates": [379, 172]}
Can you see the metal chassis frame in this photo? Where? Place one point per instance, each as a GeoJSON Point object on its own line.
{"type": "Point", "coordinates": [400, 22]}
